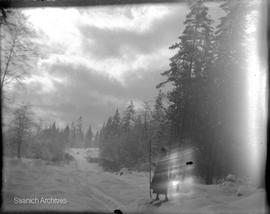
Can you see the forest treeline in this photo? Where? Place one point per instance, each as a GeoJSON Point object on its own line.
{"type": "Point", "coordinates": [205, 107]}
{"type": "Point", "coordinates": [27, 137]}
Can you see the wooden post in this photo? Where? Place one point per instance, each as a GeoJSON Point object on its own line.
{"type": "Point", "coordinates": [150, 163]}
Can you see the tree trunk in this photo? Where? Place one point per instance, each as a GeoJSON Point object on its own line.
{"type": "Point", "coordinates": [210, 165]}
{"type": "Point", "coordinates": [209, 177]}
{"type": "Point", "coordinates": [19, 149]}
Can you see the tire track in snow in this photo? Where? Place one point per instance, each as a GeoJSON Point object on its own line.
{"type": "Point", "coordinates": [83, 189]}
{"type": "Point", "coordinates": [81, 177]}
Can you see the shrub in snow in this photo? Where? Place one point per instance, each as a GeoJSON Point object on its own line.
{"type": "Point", "coordinates": [220, 181]}
{"type": "Point", "coordinates": [231, 178]}
{"type": "Point", "coordinates": [245, 190]}
{"type": "Point", "coordinates": [68, 157]}
{"type": "Point", "coordinates": [91, 159]}
{"type": "Point", "coordinates": [108, 164]}
{"type": "Point", "coordinates": [229, 184]}
{"type": "Point", "coordinates": [45, 149]}
{"type": "Point", "coordinates": [229, 187]}
{"type": "Point", "coordinates": [236, 186]}
{"type": "Point", "coordinates": [124, 171]}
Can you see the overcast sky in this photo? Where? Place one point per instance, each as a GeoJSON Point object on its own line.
{"type": "Point", "coordinates": [94, 60]}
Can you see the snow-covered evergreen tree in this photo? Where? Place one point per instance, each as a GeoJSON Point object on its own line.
{"type": "Point", "coordinates": [88, 137]}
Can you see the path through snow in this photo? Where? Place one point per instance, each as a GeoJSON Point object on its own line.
{"type": "Point", "coordinates": [87, 187]}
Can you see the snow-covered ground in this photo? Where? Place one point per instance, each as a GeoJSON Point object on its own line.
{"type": "Point", "coordinates": [85, 186]}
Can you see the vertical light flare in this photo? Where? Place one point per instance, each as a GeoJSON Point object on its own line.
{"type": "Point", "coordinates": [256, 101]}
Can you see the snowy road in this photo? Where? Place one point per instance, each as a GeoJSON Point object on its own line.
{"type": "Point", "coordinates": [86, 187]}
{"type": "Point", "coordinates": [107, 190]}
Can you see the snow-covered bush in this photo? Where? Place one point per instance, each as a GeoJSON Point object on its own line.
{"type": "Point", "coordinates": [47, 150]}
{"type": "Point", "coordinates": [245, 190]}
{"type": "Point", "coordinates": [68, 157]}
{"type": "Point", "coordinates": [237, 186]}
{"type": "Point", "coordinates": [220, 181]}
{"type": "Point", "coordinates": [91, 159]}
{"type": "Point", "coordinates": [124, 171]}
{"type": "Point", "coordinates": [231, 178]}
{"type": "Point", "coordinates": [229, 187]}
{"type": "Point", "coordinates": [108, 164]}
{"type": "Point", "coordinates": [229, 183]}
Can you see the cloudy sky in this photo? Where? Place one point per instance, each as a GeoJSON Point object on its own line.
{"type": "Point", "coordinates": [97, 59]}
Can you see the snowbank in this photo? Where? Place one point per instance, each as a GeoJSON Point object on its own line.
{"type": "Point", "coordinates": [245, 190]}
{"type": "Point", "coordinates": [87, 187]}
{"type": "Point", "coordinates": [124, 171]}
{"type": "Point", "coordinates": [256, 201]}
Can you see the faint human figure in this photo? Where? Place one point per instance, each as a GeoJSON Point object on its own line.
{"type": "Point", "coordinates": [160, 180]}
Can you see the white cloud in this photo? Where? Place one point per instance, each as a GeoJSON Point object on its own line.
{"type": "Point", "coordinates": [61, 29]}
{"type": "Point", "coordinates": [135, 18]}
{"type": "Point", "coordinates": [115, 68]}
{"type": "Point", "coordinates": [58, 24]}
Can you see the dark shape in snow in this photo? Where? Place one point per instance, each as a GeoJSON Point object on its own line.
{"type": "Point", "coordinates": [117, 211]}
{"type": "Point", "coordinates": [189, 163]}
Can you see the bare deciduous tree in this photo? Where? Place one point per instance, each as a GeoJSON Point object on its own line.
{"type": "Point", "coordinates": [17, 47]}
{"type": "Point", "coordinates": [21, 126]}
